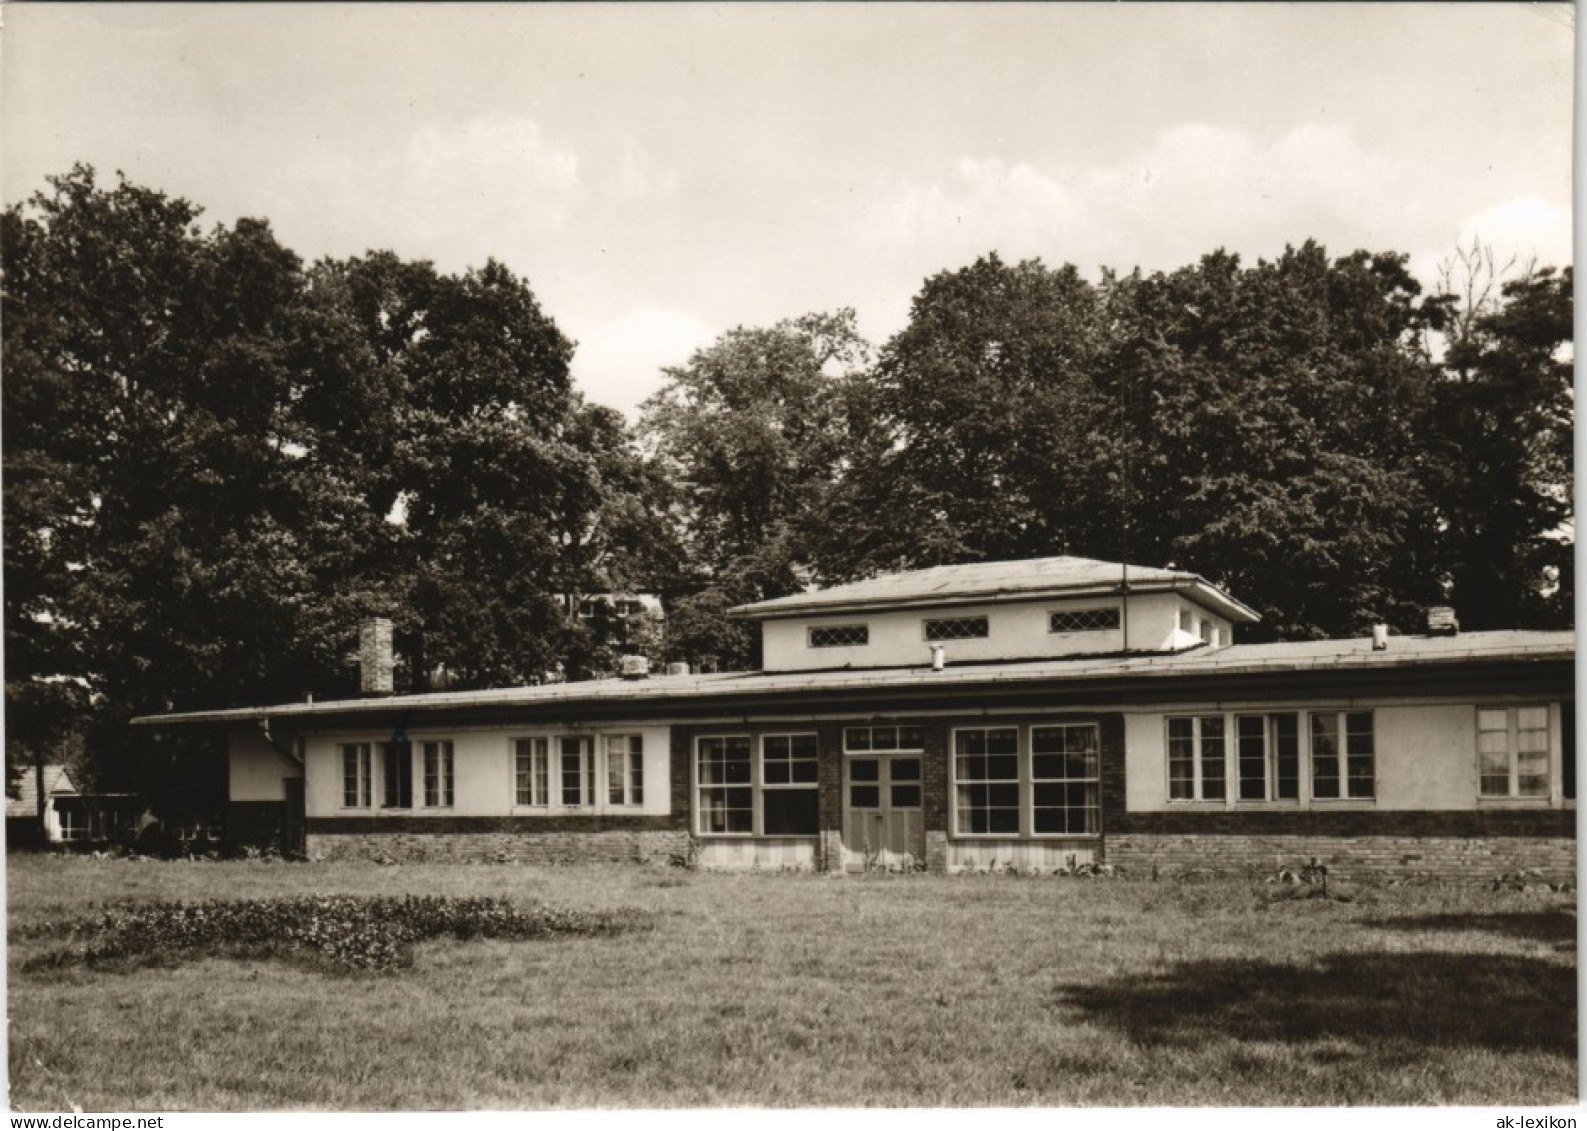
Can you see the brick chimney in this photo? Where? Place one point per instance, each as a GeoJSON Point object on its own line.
{"type": "Point", "coordinates": [376, 659]}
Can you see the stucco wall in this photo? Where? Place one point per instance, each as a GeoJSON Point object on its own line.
{"type": "Point", "coordinates": [256, 769]}
{"type": "Point", "coordinates": [1425, 756]}
{"type": "Point", "coordinates": [483, 772]}
{"type": "Point", "coordinates": [1016, 630]}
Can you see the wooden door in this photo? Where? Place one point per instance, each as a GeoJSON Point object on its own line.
{"type": "Point", "coordinates": [882, 818]}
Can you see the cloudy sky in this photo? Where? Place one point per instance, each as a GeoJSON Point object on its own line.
{"type": "Point", "coordinates": [663, 173]}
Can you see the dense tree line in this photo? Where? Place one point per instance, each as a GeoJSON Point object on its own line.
{"type": "Point", "coordinates": [218, 458]}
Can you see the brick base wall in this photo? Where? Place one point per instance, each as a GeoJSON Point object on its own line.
{"type": "Point", "coordinates": [626, 846]}
{"type": "Point", "coordinates": [1462, 859]}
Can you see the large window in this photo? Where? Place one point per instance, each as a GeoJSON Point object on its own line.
{"type": "Point", "coordinates": [986, 780]}
{"type": "Point", "coordinates": [1064, 770]}
{"type": "Point", "coordinates": [1342, 755]}
{"type": "Point", "coordinates": [1267, 749]}
{"type": "Point", "coordinates": [569, 771]}
{"type": "Point", "coordinates": [356, 788]}
{"type": "Point", "coordinates": [396, 775]}
{"type": "Point", "coordinates": [438, 775]}
{"type": "Point", "coordinates": [789, 798]}
{"type": "Point", "coordinates": [625, 769]}
{"type": "Point", "coordinates": [774, 795]}
{"type": "Point", "coordinates": [1512, 751]}
{"type": "Point", "coordinates": [957, 628]}
{"type": "Point", "coordinates": [725, 778]}
{"type": "Point", "coordinates": [1196, 758]}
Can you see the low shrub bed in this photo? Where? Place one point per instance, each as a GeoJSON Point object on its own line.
{"type": "Point", "coordinates": [341, 932]}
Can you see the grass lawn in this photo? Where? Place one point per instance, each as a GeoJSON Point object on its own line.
{"type": "Point", "coordinates": [779, 990]}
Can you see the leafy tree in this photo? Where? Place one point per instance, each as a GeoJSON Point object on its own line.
{"type": "Point", "coordinates": [974, 436]}
{"type": "Point", "coordinates": [1275, 434]}
{"type": "Point", "coordinates": [217, 462]}
{"type": "Point", "coordinates": [1503, 428]}
{"type": "Point", "coordinates": [750, 433]}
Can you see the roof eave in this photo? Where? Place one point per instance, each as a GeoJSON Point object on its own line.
{"type": "Point", "coordinates": [1206, 594]}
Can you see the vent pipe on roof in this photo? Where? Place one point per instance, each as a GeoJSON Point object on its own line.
{"type": "Point", "coordinates": [1380, 638]}
{"type": "Point", "coordinates": [939, 657]}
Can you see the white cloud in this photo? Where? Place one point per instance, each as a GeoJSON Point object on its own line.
{"type": "Point", "coordinates": [1524, 226]}
{"type": "Point", "coordinates": [1196, 187]}
{"type": "Point", "coordinates": [456, 193]}
{"type": "Point", "coordinates": [619, 362]}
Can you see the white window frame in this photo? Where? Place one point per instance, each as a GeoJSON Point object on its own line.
{"type": "Point", "coordinates": [531, 766]}
{"type": "Point", "coordinates": [697, 788]}
{"type": "Point", "coordinates": [954, 782]}
{"type": "Point", "coordinates": [870, 730]}
{"type": "Point", "coordinates": [73, 823]}
{"type": "Point", "coordinates": [1341, 755]}
{"type": "Point", "coordinates": [363, 780]}
{"type": "Point", "coordinates": [762, 786]}
{"type": "Point", "coordinates": [440, 782]}
{"type": "Point", "coordinates": [1093, 782]}
{"type": "Point", "coordinates": [1270, 756]}
{"type": "Point", "coordinates": [1199, 760]}
{"type": "Point", "coordinates": [624, 770]}
{"type": "Point", "coordinates": [586, 771]}
{"type": "Point", "coordinates": [1512, 734]}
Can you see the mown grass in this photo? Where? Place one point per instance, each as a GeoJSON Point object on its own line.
{"type": "Point", "coordinates": [777, 990]}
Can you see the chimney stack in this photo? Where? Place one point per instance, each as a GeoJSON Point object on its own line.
{"type": "Point", "coordinates": [939, 657]}
{"type": "Point", "coordinates": [376, 660]}
{"type": "Point", "coordinates": [1441, 621]}
{"type": "Point", "coordinates": [1380, 638]}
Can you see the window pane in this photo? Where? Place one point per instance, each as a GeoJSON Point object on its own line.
{"type": "Point", "coordinates": [572, 760]}
{"type": "Point", "coordinates": [865, 796]}
{"type": "Point", "coordinates": [1567, 736]}
{"type": "Point", "coordinates": [438, 774]}
{"type": "Point", "coordinates": [906, 769]}
{"type": "Point", "coordinates": [864, 769]}
{"type": "Point", "coordinates": [906, 797]}
{"type": "Point", "coordinates": [884, 738]}
{"type": "Point", "coordinates": [1212, 774]}
{"type": "Point", "coordinates": [956, 628]}
{"type": "Point", "coordinates": [397, 775]}
{"type": "Point", "coordinates": [1359, 758]}
{"type": "Point", "coordinates": [1286, 737]}
{"type": "Point", "coordinates": [1251, 752]}
{"type": "Point", "coordinates": [1531, 718]}
{"type": "Point", "coordinates": [789, 812]}
{"type": "Point", "coordinates": [1067, 807]}
{"type": "Point", "coordinates": [857, 738]}
{"type": "Point", "coordinates": [909, 738]}
{"type": "Point", "coordinates": [1325, 755]}
{"type": "Point", "coordinates": [1181, 759]}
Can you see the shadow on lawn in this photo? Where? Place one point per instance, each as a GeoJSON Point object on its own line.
{"type": "Point", "coordinates": [1538, 926]}
{"type": "Point", "coordinates": [1478, 1000]}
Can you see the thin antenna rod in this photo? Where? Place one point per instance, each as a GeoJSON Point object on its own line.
{"type": "Point", "coordinates": [1124, 511]}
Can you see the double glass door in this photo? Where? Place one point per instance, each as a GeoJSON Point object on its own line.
{"type": "Point", "coordinates": [881, 809]}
